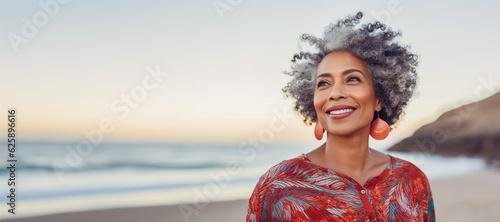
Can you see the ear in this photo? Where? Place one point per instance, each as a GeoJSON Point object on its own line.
{"type": "Point", "coordinates": [378, 106]}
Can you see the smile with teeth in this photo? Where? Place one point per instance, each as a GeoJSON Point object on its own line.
{"type": "Point", "coordinates": [340, 111]}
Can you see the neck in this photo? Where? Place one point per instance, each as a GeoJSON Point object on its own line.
{"type": "Point", "coordinates": [348, 154]}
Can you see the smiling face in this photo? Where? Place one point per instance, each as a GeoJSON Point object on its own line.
{"type": "Point", "coordinates": [344, 98]}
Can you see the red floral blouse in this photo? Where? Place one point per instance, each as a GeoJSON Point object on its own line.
{"type": "Point", "coordinates": [300, 190]}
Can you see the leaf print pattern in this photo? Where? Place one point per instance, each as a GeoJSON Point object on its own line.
{"type": "Point", "coordinates": [299, 190]}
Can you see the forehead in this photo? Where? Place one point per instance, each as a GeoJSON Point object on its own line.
{"type": "Point", "coordinates": [337, 62]}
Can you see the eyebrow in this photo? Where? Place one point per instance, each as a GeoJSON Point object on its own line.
{"type": "Point", "coordinates": [344, 73]}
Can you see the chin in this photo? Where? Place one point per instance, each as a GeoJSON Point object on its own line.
{"type": "Point", "coordinates": [341, 132]}
{"type": "Point", "coordinates": [344, 131]}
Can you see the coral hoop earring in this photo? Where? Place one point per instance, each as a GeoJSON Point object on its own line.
{"type": "Point", "coordinates": [379, 129]}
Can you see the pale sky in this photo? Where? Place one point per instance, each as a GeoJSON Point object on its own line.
{"type": "Point", "coordinates": [71, 66]}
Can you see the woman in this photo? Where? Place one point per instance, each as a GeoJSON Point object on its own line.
{"type": "Point", "coordinates": [356, 85]}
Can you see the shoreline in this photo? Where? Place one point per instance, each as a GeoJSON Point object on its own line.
{"type": "Point", "coordinates": [470, 197]}
{"type": "Point", "coordinates": [230, 210]}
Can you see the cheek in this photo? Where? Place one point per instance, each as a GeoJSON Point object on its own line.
{"type": "Point", "coordinates": [316, 102]}
{"type": "Point", "coordinates": [367, 98]}
{"type": "Point", "coordinates": [319, 100]}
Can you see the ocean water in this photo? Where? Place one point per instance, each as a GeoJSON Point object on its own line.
{"type": "Point", "coordinates": [56, 177]}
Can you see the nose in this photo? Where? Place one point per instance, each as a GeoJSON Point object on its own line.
{"type": "Point", "coordinates": [337, 92]}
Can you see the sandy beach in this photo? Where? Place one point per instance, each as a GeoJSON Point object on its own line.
{"type": "Point", "coordinates": [473, 197]}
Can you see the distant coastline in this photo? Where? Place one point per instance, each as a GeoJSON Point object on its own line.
{"type": "Point", "coordinates": [472, 130]}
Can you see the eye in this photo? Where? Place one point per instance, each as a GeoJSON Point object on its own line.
{"type": "Point", "coordinates": [353, 79]}
{"type": "Point", "coordinates": [322, 83]}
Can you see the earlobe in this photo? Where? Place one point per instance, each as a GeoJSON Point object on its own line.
{"type": "Point", "coordinates": [378, 107]}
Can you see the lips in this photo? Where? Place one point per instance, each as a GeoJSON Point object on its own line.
{"type": "Point", "coordinates": [340, 111]}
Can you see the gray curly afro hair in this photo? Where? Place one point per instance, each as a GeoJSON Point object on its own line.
{"type": "Point", "coordinates": [392, 65]}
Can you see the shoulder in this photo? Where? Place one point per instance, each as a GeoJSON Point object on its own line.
{"type": "Point", "coordinates": [269, 185]}
{"type": "Point", "coordinates": [406, 167]}
{"type": "Point", "coordinates": [414, 184]}
{"type": "Point", "coordinates": [409, 174]}
{"type": "Point", "coordinates": [289, 169]}
{"type": "Point", "coordinates": [287, 172]}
